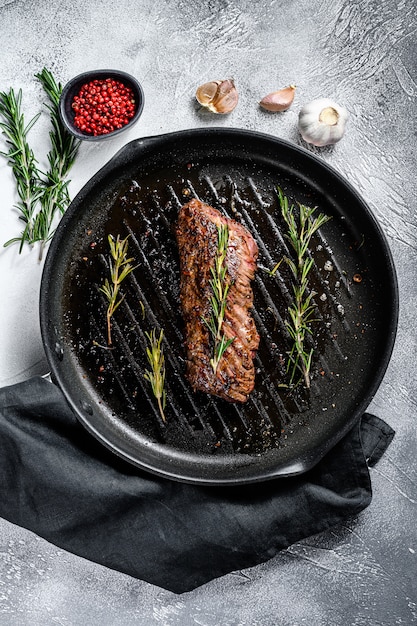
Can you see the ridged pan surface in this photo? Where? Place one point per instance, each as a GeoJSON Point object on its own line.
{"type": "Point", "coordinates": [281, 430]}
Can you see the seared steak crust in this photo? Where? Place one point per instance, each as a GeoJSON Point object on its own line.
{"type": "Point", "coordinates": [196, 232]}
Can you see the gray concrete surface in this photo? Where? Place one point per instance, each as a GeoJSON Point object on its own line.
{"type": "Point", "coordinates": [362, 53]}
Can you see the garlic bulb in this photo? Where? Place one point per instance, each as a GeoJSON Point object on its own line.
{"type": "Point", "coordinates": [280, 100]}
{"type": "Point", "coordinates": [219, 96]}
{"type": "Point", "coordinates": [322, 122]}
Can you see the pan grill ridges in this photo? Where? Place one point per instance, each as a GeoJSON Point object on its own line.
{"type": "Point", "coordinates": [152, 300]}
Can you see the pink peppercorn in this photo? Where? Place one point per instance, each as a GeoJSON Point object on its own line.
{"type": "Point", "coordinates": [102, 106]}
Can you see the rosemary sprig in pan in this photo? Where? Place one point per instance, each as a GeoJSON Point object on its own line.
{"type": "Point", "coordinates": [220, 288]}
{"type": "Point", "coordinates": [40, 195]}
{"type": "Point", "coordinates": [120, 267]}
{"type": "Point", "coordinates": [301, 311]}
{"type": "Point", "coordinates": [22, 161]}
{"type": "Point", "coordinates": [156, 376]}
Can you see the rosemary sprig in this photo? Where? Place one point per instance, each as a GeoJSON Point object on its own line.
{"type": "Point", "coordinates": [274, 269]}
{"type": "Point", "coordinates": [41, 195]}
{"type": "Point", "coordinates": [120, 267]}
{"type": "Point", "coordinates": [301, 227]}
{"type": "Point", "coordinates": [61, 157]}
{"type": "Point", "coordinates": [220, 288]}
{"type": "Point", "coordinates": [22, 161]}
{"type": "Point", "coordinates": [156, 376]}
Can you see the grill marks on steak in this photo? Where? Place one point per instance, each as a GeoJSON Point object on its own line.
{"type": "Point", "coordinates": [196, 233]}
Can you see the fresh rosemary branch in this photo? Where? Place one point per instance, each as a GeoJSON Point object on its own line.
{"type": "Point", "coordinates": [120, 267]}
{"type": "Point", "coordinates": [301, 227]}
{"type": "Point", "coordinates": [156, 376]}
{"type": "Point", "coordinates": [61, 157]}
{"type": "Point", "coordinates": [22, 161]}
{"type": "Point", "coordinates": [41, 195]}
{"type": "Point", "coordinates": [220, 288]}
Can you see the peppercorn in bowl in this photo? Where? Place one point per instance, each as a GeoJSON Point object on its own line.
{"type": "Point", "coordinates": [101, 103]}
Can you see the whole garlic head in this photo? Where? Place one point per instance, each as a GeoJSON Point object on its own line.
{"type": "Point", "coordinates": [322, 122]}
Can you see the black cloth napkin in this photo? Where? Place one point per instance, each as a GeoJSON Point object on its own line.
{"type": "Point", "coordinates": [59, 482]}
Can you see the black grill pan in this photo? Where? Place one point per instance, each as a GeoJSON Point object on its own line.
{"type": "Point", "coordinates": [279, 431]}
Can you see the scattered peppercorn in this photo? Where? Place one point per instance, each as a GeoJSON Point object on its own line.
{"type": "Point", "coordinates": [357, 278]}
{"type": "Point", "coordinates": [103, 106]}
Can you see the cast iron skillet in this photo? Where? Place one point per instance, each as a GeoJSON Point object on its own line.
{"type": "Point", "coordinates": [280, 431]}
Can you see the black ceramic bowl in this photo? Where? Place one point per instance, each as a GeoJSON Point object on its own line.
{"type": "Point", "coordinates": [73, 87]}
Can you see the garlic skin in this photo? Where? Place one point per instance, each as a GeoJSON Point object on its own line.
{"type": "Point", "coordinates": [218, 96]}
{"type": "Point", "coordinates": [322, 122]}
{"type": "Point", "coordinates": [280, 100]}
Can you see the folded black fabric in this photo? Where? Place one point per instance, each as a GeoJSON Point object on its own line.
{"type": "Point", "coordinates": [59, 482]}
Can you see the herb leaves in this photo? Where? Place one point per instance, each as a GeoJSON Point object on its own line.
{"type": "Point", "coordinates": [22, 161]}
{"type": "Point", "coordinates": [120, 267]}
{"type": "Point", "coordinates": [301, 227]}
{"type": "Point", "coordinates": [220, 288]}
{"type": "Point", "coordinates": [41, 194]}
{"type": "Point", "coordinates": [156, 376]}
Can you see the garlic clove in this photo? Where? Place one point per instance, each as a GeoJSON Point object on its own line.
{"type": "Point", "coordinates": [280, 100]}
{"type": "Point", "coordinates": [207, 92]}
{"type": "Point", "coordinates": [219, 96]}
{"type": "Point", "coordinates": [322, 122]}
{"type": "Point", "coordinates": [227, 97]}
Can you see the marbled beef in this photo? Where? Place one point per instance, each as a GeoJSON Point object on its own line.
{"type": "Point", "coordinates": [197, 237]}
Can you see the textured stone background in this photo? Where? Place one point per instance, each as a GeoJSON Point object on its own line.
{"type": "Point", "coordinates": [361, 53]}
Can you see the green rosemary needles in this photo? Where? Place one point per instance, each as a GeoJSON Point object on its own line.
{"type": "Point", "coordinates": [220, 288]}
{"type": "Point", "coordinates": [301, 227]}
{"type": "Point", "coordinates": [42, 195]}
{"type": "Point", "coordinates": [156, 375]}
{"type": "Point", "coordinates": [120, 267]}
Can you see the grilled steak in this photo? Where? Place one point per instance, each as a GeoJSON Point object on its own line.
{"type": "Point", "coordinates": [197, 238]}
